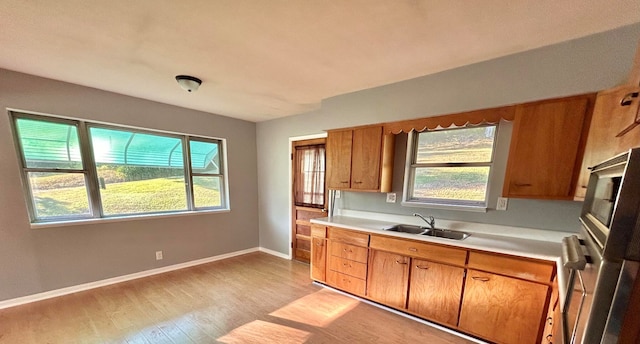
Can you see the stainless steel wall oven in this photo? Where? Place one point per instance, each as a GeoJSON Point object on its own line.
{"type": "Point", "coordinates": [603, 263]}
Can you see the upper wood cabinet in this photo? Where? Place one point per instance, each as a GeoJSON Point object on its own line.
{"type": "Point", "coordinates": [360, 159]}
{"type": "Point", "coordinates": [612, 130]}
{"type": "Point", "coordinates": [546, 148]}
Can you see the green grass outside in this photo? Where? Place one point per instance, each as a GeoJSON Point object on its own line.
{"type": "Point", "coordinates": [152, 195]}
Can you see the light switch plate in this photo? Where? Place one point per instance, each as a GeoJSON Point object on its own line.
{"type": "Point", "coordinates": [502, 203]}
{"type": "Point", "coordinates": [391, 197]}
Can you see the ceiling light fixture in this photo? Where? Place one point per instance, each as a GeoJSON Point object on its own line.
{"type": "Point", "coordinates": [188, 83]}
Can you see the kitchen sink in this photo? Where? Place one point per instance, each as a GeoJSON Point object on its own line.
{"type": "Point", "coordinates": [411, 229]}
{"type": "Point", "coordinates": [436, 232]}
{"type": "Point", "coordinates": [442, 233]}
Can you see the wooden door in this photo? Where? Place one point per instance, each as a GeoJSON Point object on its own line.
{"type": "Point", "coordinates": [388, 278]}
{"type": "Point", "coordinates": [309, 193]}
{"type": "Point", "coordinates": [503, 309]}
{"type": "Point", "coordinates": [546, 148]}
{"type": "Point", "coordinates": [365, 158]}
{"type": "Point", "coordinates": [435, 291]}
{"type": "Point", "coordinates": [339, 159]}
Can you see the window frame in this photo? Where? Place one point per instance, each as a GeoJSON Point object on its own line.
{"type": "Point", "coordinates": [439, 203]}
{"type": "Point", "coordinates": [89, 170]}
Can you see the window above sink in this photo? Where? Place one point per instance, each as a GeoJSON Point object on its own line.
{"type": "Point", "coordinates": [450, 168]}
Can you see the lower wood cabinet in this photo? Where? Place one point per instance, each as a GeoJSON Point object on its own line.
{"type": "Point", "coordinates": [435, 291]}
{"type": "Point", "coordinates": [318, 259]}
{"type": "Point", "coordinates": [497, 297]}
{"type": "Point", "coordinates": [388, 278]}
{"type": "Point", "coordinates": [503, 309]}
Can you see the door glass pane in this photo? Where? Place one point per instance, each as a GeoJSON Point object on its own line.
{"type": "Point", "coordinates": [49, 144]}
{"type": "Point", "coordinates": [309, 176]}
{"type": "Point", "coordinates": [453, 183]}
{"type": "Point", "coordinates": [207, 191]}
{"type": "Point", "coordinates": [456, 146]}
{"type": "Point", "coordinates": [59, 195]}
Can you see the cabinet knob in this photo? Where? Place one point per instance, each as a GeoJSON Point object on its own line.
{"type": "Point", "coordinates": [628, 98]}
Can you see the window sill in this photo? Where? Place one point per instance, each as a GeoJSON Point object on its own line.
{"type": "Point", "coordinates": [476, 209]}
{"type": "Point", "coordinates": [66, 223]}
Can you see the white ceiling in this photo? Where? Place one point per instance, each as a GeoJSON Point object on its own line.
{"type": "Point", "coordinates": [264, 59]}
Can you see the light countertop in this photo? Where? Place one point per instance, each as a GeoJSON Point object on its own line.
{"type": "Point", "coordinates": [514, 241]}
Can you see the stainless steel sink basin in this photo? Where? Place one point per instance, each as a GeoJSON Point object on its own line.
{"type": "Point", "coordinates": [407, 229]}
{"type": "Point", "coordinates": [441, 233]}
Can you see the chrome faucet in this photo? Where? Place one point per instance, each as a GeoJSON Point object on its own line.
{"type": "Point", "coordinates": [431, 221]}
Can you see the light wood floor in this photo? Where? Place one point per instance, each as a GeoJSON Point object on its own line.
{"type": "Point", "coordinates": [255, 298]}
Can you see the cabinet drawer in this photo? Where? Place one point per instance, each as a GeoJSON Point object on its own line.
{"type": "Point", "coordinates": [428, 251]}
{"type": "Point", "coordinates": [349, 267]}
{"type": "Point", "coordinates": [350, 252]}
{"type": "Point", "coordinates": [319, 231]}
{"type": "Point", "coordinates": [347, 283]}
{"type": "Point", "coordinates": [349, 237]}
{"type": "Point", "coordinates": [511, 266]}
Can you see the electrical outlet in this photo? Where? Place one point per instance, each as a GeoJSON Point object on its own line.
{"type": "Point", "coordinates": [158, 255]}
{"type": "Point", "coordinates": [338, 194]}
{"type": "Point", "coordinates": [391, 197]}
{"type": "Point", "coordinates": [502, 203]}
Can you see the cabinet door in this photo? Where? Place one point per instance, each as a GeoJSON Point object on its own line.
{"type": "Point", "coordinates": [388, 278]}
{"type": "Point", "coordinates": [503, 309]}
{"type": "Point", "coordinates": [338, 152]}
{"type": "Point", "coordinates": [318, 258]}
{"type": "Point", "coordinates": [546, 148]}
{"type": "Point", "coordinates": [608, 120]}
{"type": "Point", "coordinates": [435, 291]}
{"type": "Point", "coordinates": [365, 158]}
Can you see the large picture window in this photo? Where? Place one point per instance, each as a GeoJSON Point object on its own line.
{"type": "Point", "coordinates": [76, 170]}
{"type": "Point", "coordinates": [449, 167]}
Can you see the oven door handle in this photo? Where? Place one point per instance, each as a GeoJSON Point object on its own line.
{"type": "Point", "coordinates": [572, 256]}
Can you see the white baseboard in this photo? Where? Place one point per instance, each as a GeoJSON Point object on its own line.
{"type": "Point", "coordinates": [97, 284]}
{"type": "Point", "coordinates": [275, 253]}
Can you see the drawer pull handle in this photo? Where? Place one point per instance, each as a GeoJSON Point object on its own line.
{"type": "Point", "coordinates": [344, 182]}
{"type": "Point", "coordinates": [413, 249]}
{"type": "Point", "coordinates": [346, 265]}
{"type": "Point", "coordinates": [422, 267]}
{"type": "Point", "coordinates": [550, 321]}
{"type": "Point", "coordinates": [346, 280]}
{"type": "Point", "coordinates": [481, 279]}
{"type": "Point", "coordinates": [549, 337]}
{"type": "Point", "coordinates": [522, 184]}
{"type": "Point", "coordinates": [357, 182]}
{"type": "Point", "coordinates": [347, 250]}
{"type": "Point", "coordinates": [401, 263]}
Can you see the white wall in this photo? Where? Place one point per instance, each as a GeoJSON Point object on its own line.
{"type": "Point", "coordinates": [584, 65]}
{"type": "Point", "coordinates": [38, 260]}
